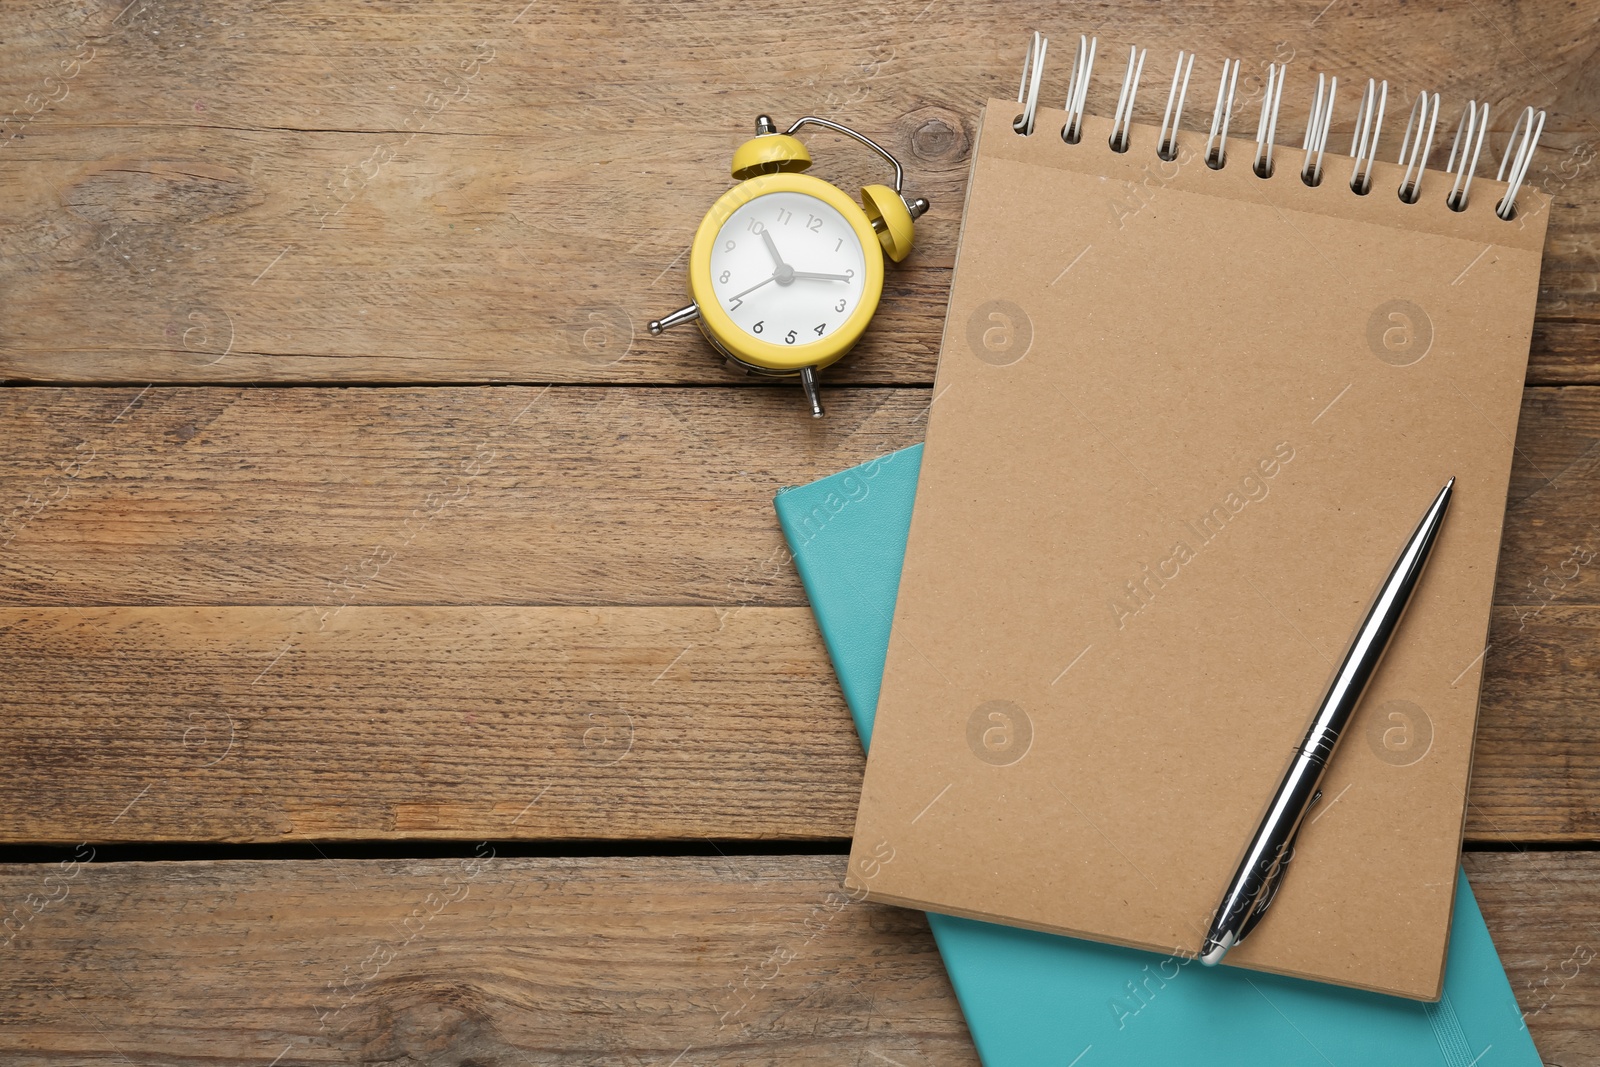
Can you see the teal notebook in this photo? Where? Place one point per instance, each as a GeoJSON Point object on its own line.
{"type": "Point", "coordinates": [1032, 998]}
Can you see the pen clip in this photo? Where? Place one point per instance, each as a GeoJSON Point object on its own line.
{"type": "Point", "coordinates": [1274, 879]}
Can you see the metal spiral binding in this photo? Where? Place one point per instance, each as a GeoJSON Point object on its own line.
{"type": "Point", "coordinates": [1414, 153]}
{"type": "Point", "coordinates": [1121, 126]}
{"type": "Point", "coordinates": [1217, 143]}
{"type": "Point", "coordinates": [1317, 125]}
{"type": "Point", "coordinates": [1078, 88]}
{"type": "Point", "coordinates": [1267, 128]}
{"type": "Point", "coordinates": [1415, 147]}
{"type": "Point", "coordinates": [1518, 156]}
{"type": "Point", "coordinates": [1369, 121]}
{"type": "Point", "coordinates": [1166, 147]}
{"type": "Point", "coordinates": [1028, 94]}
{"type": "Point", "coordinates": [1471, 120]}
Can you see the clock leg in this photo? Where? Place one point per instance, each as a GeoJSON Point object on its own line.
{"type": "Point", "coordinates": [682, 315]}
{"type": "Point", "coordinates": [808, 382]}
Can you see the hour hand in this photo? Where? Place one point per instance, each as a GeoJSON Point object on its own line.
{"type": "Point", "coordinates": [821, 277]}
{"type": "Point", "coordinates": [772, 246]}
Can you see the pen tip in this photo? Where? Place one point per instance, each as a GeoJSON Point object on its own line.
{"type": "Point", "coordinates": [1215, 948]}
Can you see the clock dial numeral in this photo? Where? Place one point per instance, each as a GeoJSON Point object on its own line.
{"type": "Point", "coordinates": [838, 244]}
{"type": "Point", "coordinates": [757, 327]}
{"type": "Point", "coordinates": [839, 306]}
{"type": "Point", "coordinates": [784, 216]}
{"type": "Point", "coordinates": [728, 246]}
{"type": "Point", "coordinates": [724, 276]}
{"type": "Point", "coordinates": [790, 337]}
{"type": "Point", "coordinates": [756, 226]}
{"type": "Point", "coordinates": [820, 328]}
{"type": "Point", "coordinates": [735, 304]}
{"type": "Point", "coordinates": [814, 224]}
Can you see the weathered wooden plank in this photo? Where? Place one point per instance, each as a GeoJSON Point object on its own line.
{"type": "Point", "coordinates": [486, 192]}
{"type": "Point", "coordinates": [751, 961]}
{"type": "Point", "coordinates": [1536, 763]}
{"type": "Point", "coordinates": [1563, 349]}
{"type": "Point", "coordinates": [668, 61]}
{"type": "Point", "coordinates": [267, 724]}
{"type": "Point", "coordinates": [748, 960]}
{"type": "Point", "coordinates": [1550, 550]}
{"type": "Point", "coordinates": [262, 724]}
{"type": "Point", "coordinates": [517, 495]}
{"type": "Point", "coordinates": [463, 496]}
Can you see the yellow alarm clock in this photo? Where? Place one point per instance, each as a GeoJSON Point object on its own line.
{"type": "Point", "coordinates": [786, 270]}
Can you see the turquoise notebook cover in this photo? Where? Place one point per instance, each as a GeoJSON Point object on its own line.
{"type": "Point", "coordinates": [1032, 998]}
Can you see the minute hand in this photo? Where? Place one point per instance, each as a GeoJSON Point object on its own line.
{"type": "Point", "coordinates": [821, 277]}
{"type": "Point", "coordinates": [753, 288]}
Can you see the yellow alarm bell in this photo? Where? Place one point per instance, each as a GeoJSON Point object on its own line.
{"type": "Point", "coordinates": [785, 270]}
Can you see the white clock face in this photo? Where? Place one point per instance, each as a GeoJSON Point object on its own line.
{"type": "Point", "coordinates": [788, 268]}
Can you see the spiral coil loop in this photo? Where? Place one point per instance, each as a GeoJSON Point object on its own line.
{"type": "Point", "coordinates": [1028, 94]}
{"type": "Point", "coordinates": [1364, 142]}
{"type": "Point", "coordinates": [1518, 156]}
{"type": "Point", "coordinates": [1317, 126]}
{"type": "Point", "coordinates": [1472, 120]}
{"type": "Point", "coordinates": [1121, 126]}
{"type": "Point", "coordinates": [1414, 153]}
{"type": "Point", "coordinates": [1217, 142]}
{"type": "Point", "coordinates": [1267, 127]}
{"type": "Point", "coordinates": [1166, 146]}
{"type": "Point", "coordinates": [1078, 88]}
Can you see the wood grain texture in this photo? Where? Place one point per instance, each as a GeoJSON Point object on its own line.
{"type": "Point", "coordinates": [749, 960]}
{"type": "Point", "coordinates": [1536, 760]}
{"type": "Point", "coordinates": [476, 192]}
{"type": "Point", "coordinates": [267, 724]}
{"type": "Point", "coordinates": [264, 724]}
{"type": "Point", "coordinates": [523, 495]}
{"type": "Point", "coordinates": [460, 496]}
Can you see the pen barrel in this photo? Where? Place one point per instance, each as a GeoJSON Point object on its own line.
{"type": "Point", "coordinates": [1271, 847]}
{"type": "Point", "coordinates": [1371, 640]}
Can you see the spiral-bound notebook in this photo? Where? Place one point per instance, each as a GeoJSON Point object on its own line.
{"type": "Point", "coordinates": [1184, 418]}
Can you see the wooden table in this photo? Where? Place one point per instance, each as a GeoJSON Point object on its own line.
{"type": "Point", "coordinates": [414, 631]}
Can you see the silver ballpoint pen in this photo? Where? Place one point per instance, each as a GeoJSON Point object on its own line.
{"type": "Point", "coordinates": [1261, 870]}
